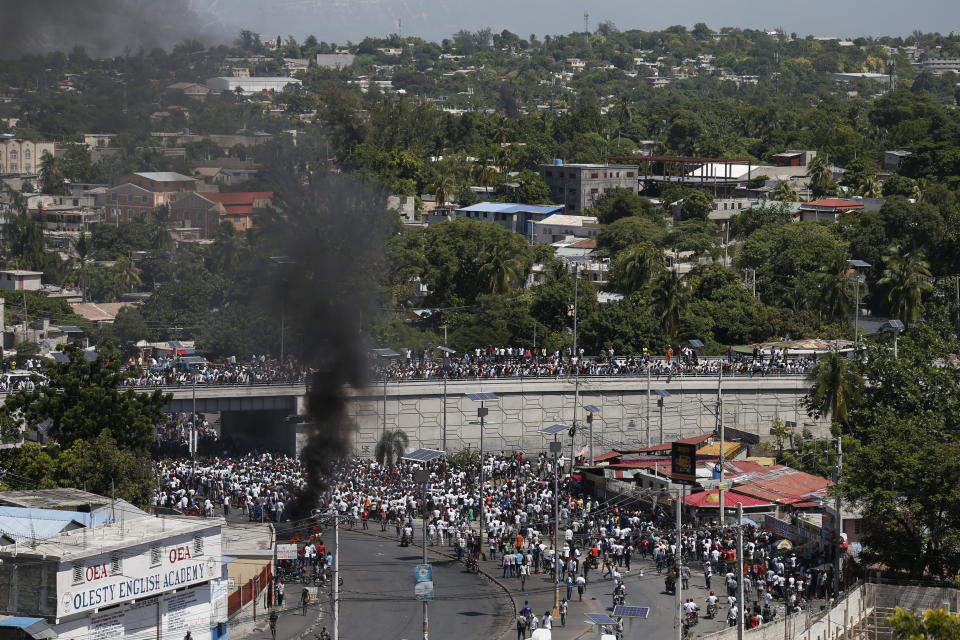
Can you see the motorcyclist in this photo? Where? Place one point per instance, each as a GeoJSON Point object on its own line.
{"type": "Point", "coordinates": [690, 610]}
{"type": "Point", "coordinates": [712, 604]}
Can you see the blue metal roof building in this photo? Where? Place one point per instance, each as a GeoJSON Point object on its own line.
{"type": "Point", "coordinates": [20, 524]}
{"type": "Point", "coordinates": [513, 216]}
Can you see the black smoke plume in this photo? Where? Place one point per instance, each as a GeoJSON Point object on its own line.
{"type": "Point", "coordinates": [330, 231]}
{"type": "Point", "coordinates": [105, 27]}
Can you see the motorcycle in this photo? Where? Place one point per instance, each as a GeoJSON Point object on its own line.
{"type": "Point", "coordinates": [711, 611]}
{"type": "Point", "coordinates": [618, 599]}
{"type": "Point", "coordinates": [471, 563]}
{"type": "Point", "coordinates": [404, 541]}
{"type": "Point", "coordinates": [671, 584]}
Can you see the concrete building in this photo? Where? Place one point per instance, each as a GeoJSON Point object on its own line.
{"type": "Point", "coordinates": [558, 227]}
{"type": "Point", "coordinates": [335, 60]}
{"type": "Point", "coordinates": [22, 156]}
{"type": "Point", "coordinates": [939, 66]}
{"type": "Point", "coordinates": [515, 217]}
{"type": "Point", "coordinates": [127, 201]}
{"type": "Point", "coordinates": [892, 159]}
{"type": "Point", "coordinates": [205, 211]}
{"type": "Point", "coordinates": [20, 280]}
{"type": "Point", "coordinates": [120, 581]}
{"type": "Point", "coordinates": [250, 85]}
{"type": "Point", "coordinates": [579, 186]}
{"type": "Point", "coordinates": [794, 158]}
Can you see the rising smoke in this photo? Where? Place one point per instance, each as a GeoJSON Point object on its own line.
{"type": "Point", "coordinates": [105, 27]}
{"type": "Point", "coordinates": [331, 231]}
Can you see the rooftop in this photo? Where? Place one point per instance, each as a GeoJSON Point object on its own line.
{"type": "Point", "coordinates": [164, 176]}
{"type": "Point", "coordinates": [21, 272]}
{"type": "Point", "coordinates": [62, 498]}
{"type": "Point", "coordinates": [833, 203]}
{"type": "Point", "coordinates": [508, 207]}
{"type": "Point", "coordinates": [83, 543]}
{"type": "Point", "coordinates": [573, 221]}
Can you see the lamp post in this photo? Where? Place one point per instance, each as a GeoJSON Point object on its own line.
{"type": "Point", "coordinates": [482, 412]}
{"type": "Point", "coordinates": [447, 352]}
{"type": "Point", "coordinates": [385, 354]}
{"type": "Point", "coordinates": [422, 477]}
{"type": "Point", "coordinates": [895, 327]}
{"type": "Point", "coordinates": [662, 393]}
{"type": "Point", "coordinates": [857, 279]}
{"type": "Point", "coordinates": [555, 448]}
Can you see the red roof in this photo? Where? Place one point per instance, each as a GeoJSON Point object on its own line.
{"type": "Point", "coordinates": [667, 446]}
{"type": "Point", "coordinates": [609, 455]}
{"type": "Point", "coordinates": [586, 243]}
{"type": "Point", "coordinates": [834, 203]}
{"type": "Point", "coordinates": [779, 484]}
{"type": "Point", "coordinates": [711, 499]}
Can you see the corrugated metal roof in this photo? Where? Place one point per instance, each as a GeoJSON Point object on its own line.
{"type": "Point", "coordinates": [164, 176]}
{"type": "Point", "coordinates": [508, 207]}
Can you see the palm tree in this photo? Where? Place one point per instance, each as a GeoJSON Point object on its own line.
{"type": "Point", "coordinates": [919, 187]}
{"type": "Point", "coordinates": [443, 188]}
{"type": "Point", "coordinates": [391, 447]}
{"type": "Point", "coordinates": [624, 114]}
{"type": "Point", "coordinates": [908, 275]}
{"type": "Point", "coordinates": [669, 296]}
{"type": "Point", "coordinates": [821, 178]}
{"type": "Point", "coordinates": [784, 192]}
{"type": "Point", "coordinates": [870, 187]}
{"type": "Point", "coordinates": [81, 248]}
{"type": "Point", "coordinates": [127, 273]}
{"type": "Point", "coordinates": [836, 387]}
{"type": "Point", "coordinates": [161, 229]}
{"type": "Point", "coordinates": [51, 175]}
{"type": "Point", "coordinates": [833, 295]}
{"type": "Point", "coordinates": [637, 266]}
{"type": "Point", "coordinates": [500, 272]}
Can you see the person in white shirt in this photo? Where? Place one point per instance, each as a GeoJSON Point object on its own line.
{"type": "Point", "coordinates": [547, 621]}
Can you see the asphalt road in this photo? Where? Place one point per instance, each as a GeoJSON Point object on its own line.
{"type": "Point", "coordinates": [377, 595]}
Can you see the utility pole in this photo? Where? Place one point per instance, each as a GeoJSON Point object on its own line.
{"type": "Point", "coordinates": [648, 407]}
{"type": "Point", "coordinates": [482, 413]}
{"type": "Point", "coordinates": [424, 478]}
{"type": "Point", "coordinates": [555, 448]}
{"type": "Point", "coordinates": [336, 576]}
{"type": "Point", "coordinates": [576, 366]}
{"type": "Point", "coordinates": [956, 281]}
{"type": "Point", "coordinates": [193, 429]}
{"type": "Point", "coordinates": [740, 595]}
{"type": "Point", "coordinates": [678, 605]}
{"type": "Point", "coordinates": [720, 430]}
{"type": "Point", "coordinates": [838, 522]}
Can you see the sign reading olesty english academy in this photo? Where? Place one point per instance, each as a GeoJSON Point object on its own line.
{"type": "Point", "coordinates": [138, 572]}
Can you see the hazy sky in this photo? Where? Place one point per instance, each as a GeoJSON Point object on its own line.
{"type": "Point", "coordinates": [340, 20]}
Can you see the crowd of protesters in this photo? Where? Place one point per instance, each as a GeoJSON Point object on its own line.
{"type": "Point", "coordinates": [519, 362]}
{"type": "Point", "coordinates": [261, 486]}
{"type": "Point", "coordinates": [596, 541]}
{"type": "Point", "coordinates": [172, 371]}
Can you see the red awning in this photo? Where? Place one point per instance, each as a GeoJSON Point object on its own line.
{"type": "Point", "coordinates": [712, 499]}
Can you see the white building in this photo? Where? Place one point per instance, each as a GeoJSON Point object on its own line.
{"type": "Point", "coordinates": [20, 280]}
{"type": "Point", "coordinates": [250, 85]}
{"type": "Point", "coordinates": [559, 227]}
{"type": "Point", "coordinates": [335, 60]}
{"type": "Point", "coordinates": [116, 581]}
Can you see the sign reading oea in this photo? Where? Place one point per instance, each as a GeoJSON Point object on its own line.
{"type": "Point", "coordinates": [180, 566]}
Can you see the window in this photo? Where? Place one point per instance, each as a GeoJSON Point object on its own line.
{"type": "Point", "coordinates": [155, 555]}
{"type": "Point", "coordinates": [13, 156]}
{"type": "Point", "coordinates": [594, 176]}
{"type": "Point", "coordinates": [143, 199]}
{"type": "Point", "coordinates": [197, 543]}
{"type": "Point", "coordinates": [14, 167]}
{"type": "Point", "coordinates": [594, 190]}
{"type": "Point", "coordinates": [26, 154]}
{"type": "Point", "coordinates": [116, 564]}
{"type": "Point", "coordinates": [26, 167]}
{"type": "Point", "coordinates": [77, 567]}
{"type": "Point", "coordinates": [630, 174]}
{"type": "Point", "coordinates": [129, 197]}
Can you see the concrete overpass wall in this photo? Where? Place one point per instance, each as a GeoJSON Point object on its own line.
{"type": "Point", "coordinates": [525, 407]}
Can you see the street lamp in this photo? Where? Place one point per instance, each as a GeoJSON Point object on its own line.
{"type": "Point", "coordinates": [555, 448]}
{"type": "Point", "coordinates": [896, 328]}
{"type": "Point", "coordinates": [282, 261]}
{"type": "Point", "coordinates": [447, 352]}
{"type": "Point", "coordinates": [857, 279]}
{"type": "Point", "coordinates": [663, 393]}
{"type": "Point", "coordinates": [422, 477]}
{"type": "Point", "coordinates": [385, 354]}
{"type": "Point", "coordinates": [590, 409]}
{"type": "Point", "coordinates": [482, 412]}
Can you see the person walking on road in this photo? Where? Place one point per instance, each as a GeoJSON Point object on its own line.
{"type": "Point", "coordinates": [563, 613]}
{"type": "Point", "coordinates": [304, 600]}
{"type": "Point", "coordinates": [524, 572]}
{"type": "Point", "coordinates": [521, 626]}
{"type": "Point", "coordinates": [273, 624]}
{"type": "Point", "coordinates": [546, 621]}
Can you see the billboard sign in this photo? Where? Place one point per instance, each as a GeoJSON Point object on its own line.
{"type": "Point", "coordinates": [683, 463]}
{"type": "Point", "coordinates": [423, 582]}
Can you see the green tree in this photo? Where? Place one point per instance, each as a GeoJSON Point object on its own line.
{"type": "Point", "coordinates": [833, 294]}
{"type": "Point", "coordinates": [631, 230]}
{"type": "Point", "coordinates": [746, 222]}
{"type": "Point", "coordinates": [784, 192]}
{"type": "Point", "coordinates": [501, 272]}
{"type": "Point", "coordinates": [160, 223]}
{"type": "Point", "coordinates": [669, 298]}
{"type": "Point", "coordinates": [635, 268]}
{"type": "Point", "coordinates": [390, 447]}
{"type": "Point", "coordinates": [527, 187]}
{"type": "Point", "coordinates": [51, 176]}
{"type": "Point", "coordinates": [821, 178]}
{"type": "Point", "coordinates": [615, 204]}
{"type": "Point", "coordinates": [82, 399]}
{"type": "Point", "coordinates": [127, 274]}
{"type": "Point", "coordinates": [931, 624]}
{"type": "Point", "coordinates": [907, 273]}
{"type": "Point", "coordinates": [100, 465]}
{"type": "Point", "coordinates": [836, 387]}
